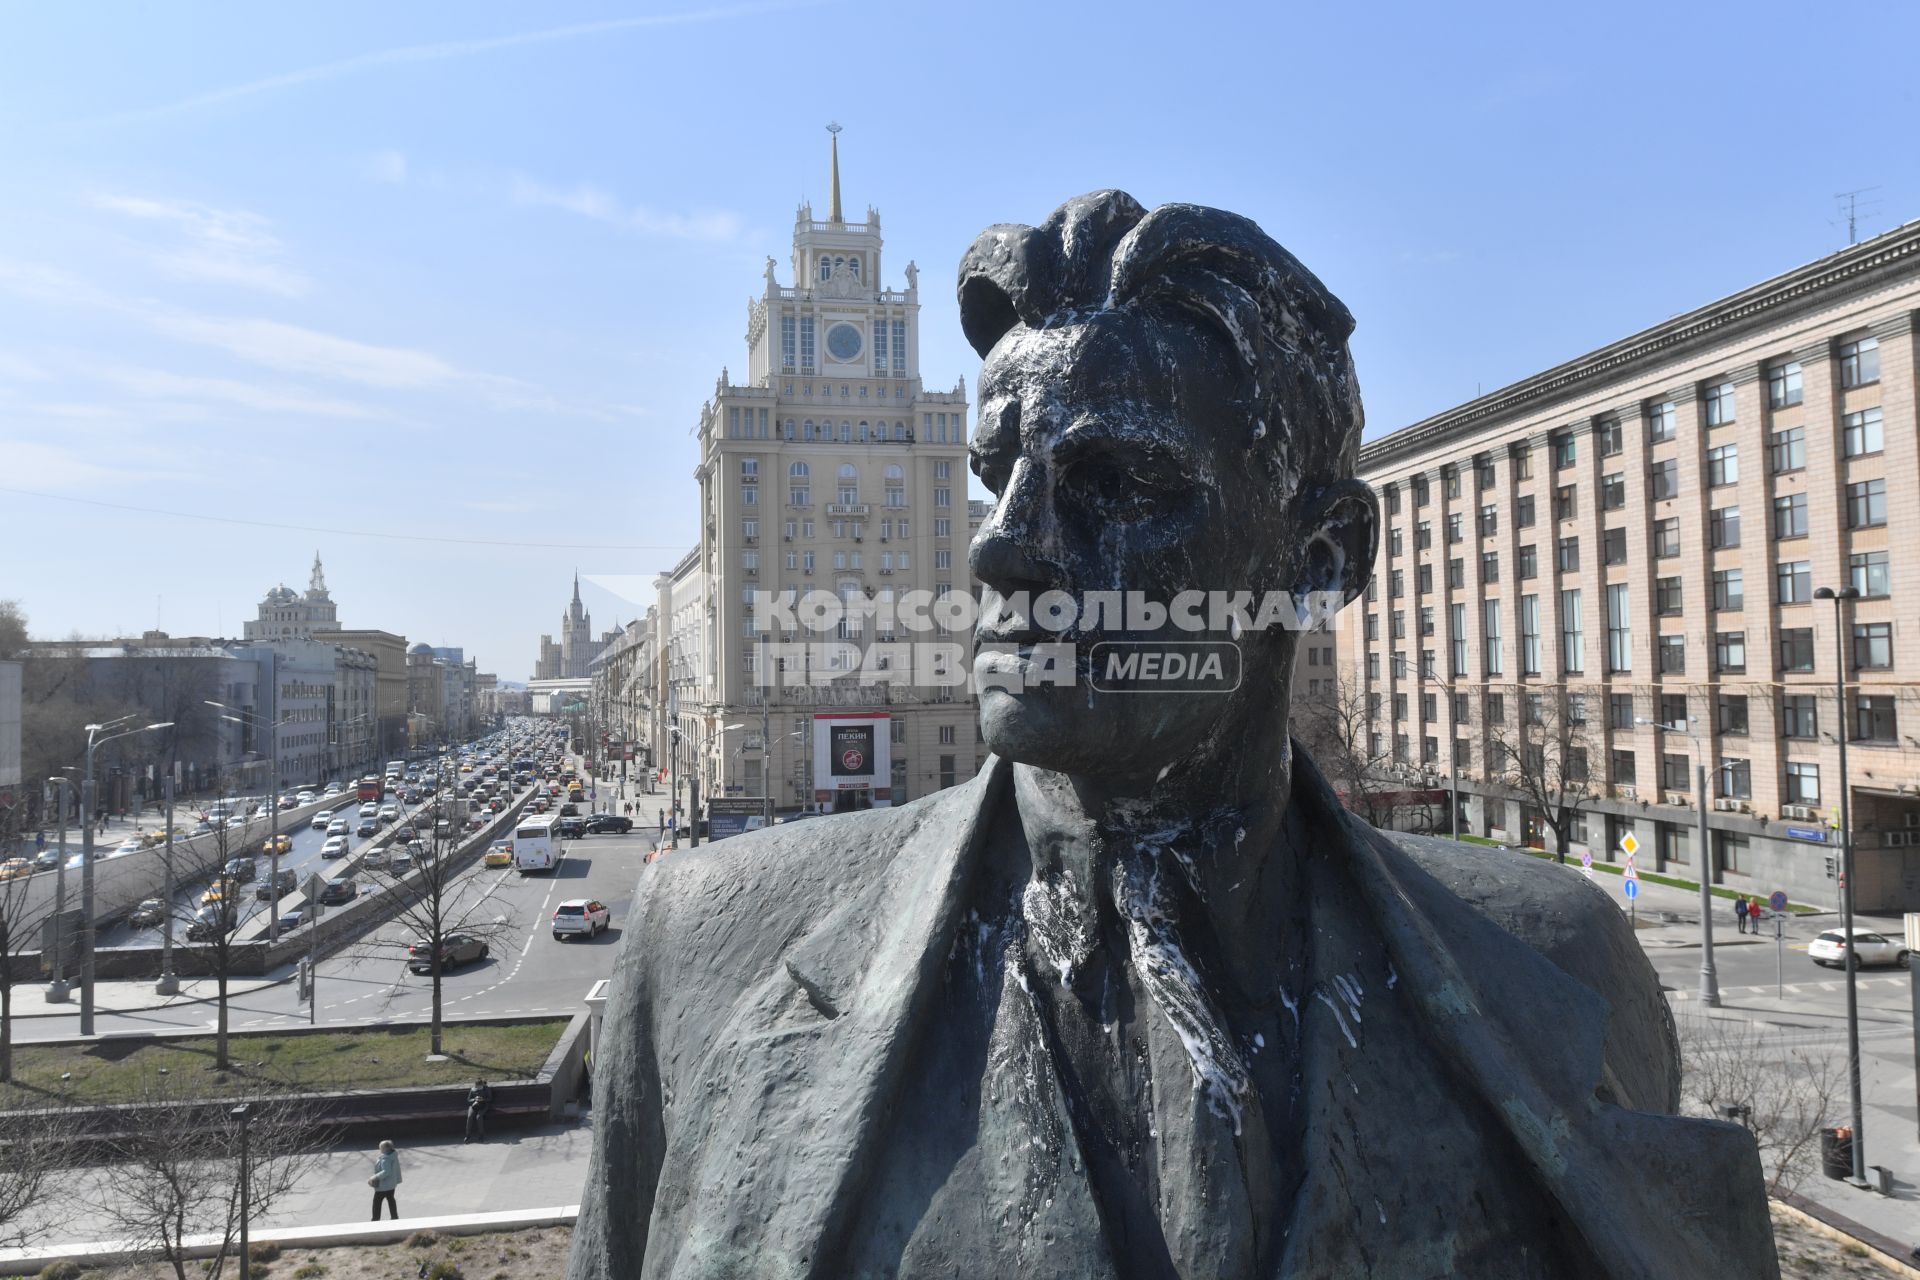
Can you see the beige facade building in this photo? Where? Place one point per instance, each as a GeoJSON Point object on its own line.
{"type": "Point", "coordinates": [1642, 531]}
{"type": "Point", "coordinates": [831, 468]}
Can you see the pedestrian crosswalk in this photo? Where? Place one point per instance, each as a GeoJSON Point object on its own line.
{"type": "Point", "coordinates": [1878, 984]}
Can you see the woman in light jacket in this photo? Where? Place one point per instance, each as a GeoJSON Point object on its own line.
{"type": "Point", "coordinates": [386, 1176]}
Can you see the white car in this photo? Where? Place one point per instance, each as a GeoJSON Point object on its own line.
{"type": "Point", "coordinates": [1830, 948]}
{"type": "Point", "coordinates": [374, 859]}
{"type": "Point", "coordinates": [304, 798]}
{"type": "Point", "coordinates": [580, 916]}
{"type": "Point", "coordinates": [127, 847]}
{"type": "Point", "coordinates": [322, 819]}
{"type": "Point", "coordinates": [388, 813]}
{"type": "Point", "coordinates": [369, 810]}
{"type": "Point", "coordinates": [335, 847]}
{"type": "Point", "coordinates": [338, 827]}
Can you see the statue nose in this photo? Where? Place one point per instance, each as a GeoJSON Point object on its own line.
{"type": "Point", "coordinates": [1007, 553]}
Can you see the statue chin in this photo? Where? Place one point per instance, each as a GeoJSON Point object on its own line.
{"type": "Point", "coordinates": [1076, 731]}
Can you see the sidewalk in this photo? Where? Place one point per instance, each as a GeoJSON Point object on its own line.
{"type": "Point", "coordinates": [136, 995]}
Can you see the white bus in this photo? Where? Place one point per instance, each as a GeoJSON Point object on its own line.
{"type": "Point", "coordinates": [396, 767]}
{"type": "Point", "coordinates": [535, 846]}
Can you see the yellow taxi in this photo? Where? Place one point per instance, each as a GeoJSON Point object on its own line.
{"type": "Point", "coordinates": [277, 844]}
{"type": "Point", "coordinates": [15, 869]}
{"type": "Point", "coordinates": [214, 896]}
{"type": "Point", "coordinates": [499, 854]}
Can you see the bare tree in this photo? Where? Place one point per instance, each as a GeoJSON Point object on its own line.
{"type": "Point", "coordinates": [1784, 1092]}
{"type": "Point", "coordinates": [21, 918]}
{"type": "Point", "coordinates": [438, 900]}
{"type": "Point", "coordinates": [34, 1140]}
{"type": "Point", "coordinates": [214, 922]}
{"type": "Point", "coordinates": [1336, 728]}
{"type": "Point", "coordinates": [1542, 749]}
{"type": "Point", "coordinates": [176, 1168]}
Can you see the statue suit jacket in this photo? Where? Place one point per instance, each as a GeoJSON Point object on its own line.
{"type": "Point", "coordinates": [771, 989]}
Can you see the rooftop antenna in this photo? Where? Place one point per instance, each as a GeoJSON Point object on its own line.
{"type": "Point", "coordinates": [833, 209]}
{"type": "Point", "coordinates": [1851, 202]}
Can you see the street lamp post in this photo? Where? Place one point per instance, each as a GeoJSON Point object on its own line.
{"type": "Point", "coordinates": [1709, 975]}
{"type": "Point", "coordinates": [240, 717]}
{"type": "Point", "coordinates": [1839, 598]}
{"type": "Point", "coordinates": [169, 982]}
{"type": "Point", "coordinates": [94, 741]}
{"type": "Point", "coordinates": [58, 989]}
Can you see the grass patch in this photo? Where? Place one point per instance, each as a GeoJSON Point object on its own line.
{"type": "Point", "coordinates": [350, 1058]}
{"type": "Point", "coordinates": [1651, 877]}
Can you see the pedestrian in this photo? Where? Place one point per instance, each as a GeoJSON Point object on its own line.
{"type": "Point", "coordinates": [1754, 913]}
{"type": "Point", "coordinates": [479, 1102]}
{"type": "Point", "coordinates": [386, 1177]}
{"type": "Point", "coordinates": [1740, 913]}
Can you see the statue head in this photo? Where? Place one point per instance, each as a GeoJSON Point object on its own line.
{"type": "Point", "coordinates": [1167, 406]}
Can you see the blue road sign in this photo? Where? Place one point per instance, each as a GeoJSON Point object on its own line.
{"type": "Point", "coordinates": [1778, 901]}
{"type": "Point", "coordinates": [1631, 888]}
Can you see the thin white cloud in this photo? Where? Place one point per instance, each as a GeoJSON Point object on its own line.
{"type": "Point", "coordinates": [448, 49]}
{"type": "Point", "coordinates": [160, 384]}
{"type": "Point", "coordinates": [222, 246]}
{"type": "Point", "coordinates": [16, 368]}
{"type": "Point", "coordinates": [387, 166]}
{"type": "Point", "coordinates": [590, 201]}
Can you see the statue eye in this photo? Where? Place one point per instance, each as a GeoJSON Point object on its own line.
{"type": "Point", "coordinates": [1117, 490]}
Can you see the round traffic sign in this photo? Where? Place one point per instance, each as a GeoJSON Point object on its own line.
{"type": "Point", "coordinates": [1631, 888]}
{"type": "Point", "coordinates": [1778, 901]}
{"type": "Point", "coordinates": [1586, 859]}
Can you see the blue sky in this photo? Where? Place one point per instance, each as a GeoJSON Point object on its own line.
{"type": "Point", "coordinates": [467, 271]}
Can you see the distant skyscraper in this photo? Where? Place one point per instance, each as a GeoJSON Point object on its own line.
{"type": "Point", "coordinates": [573, 656]}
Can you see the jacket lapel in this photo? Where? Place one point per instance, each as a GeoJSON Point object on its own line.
{"type": "Point", "coordinates": [813, 1055]}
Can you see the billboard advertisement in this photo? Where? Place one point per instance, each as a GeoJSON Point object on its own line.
{"type": "Point", "coordinates": [732, 815]}
{"type": "Point", "coordinates": [853, 751]}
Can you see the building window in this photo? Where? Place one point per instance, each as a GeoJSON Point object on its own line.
{"type": "Point", "coordinates": [1613, 491]}
{"type": "Point", "coordinates": [899, 345]}
{"type": "Point", "coordinates": [1790, 516]}
{"type": "Point", "coordinates": [1730, 651]}
{"type": "Point", "coordinates": [1787, 450]}
{"type": "Point", "coordinates": [1456, 574]}
{"type": "Point", "coordinates": [1490, 638]}
{"type": "Point", "coordinates": [1423, 535]}
{"type": "Point", "coordinates": [1399, 706]}
{"type": "Point", "coordinates": [1862, 433]}
{"type": "Point", "coordinates": [1719, 402]}
{"type": "Point", "coordinates": [1457, 635]}
{"type": "Point", "coordinates": [1613, 546]}
{"type": "Point", "coordinates": [1783, 384]}
{"type": "Point", "coordinates": [1673, 708]}
{"type": "Point", "coordinates": [806, 343]}
{"type": "Point", "coordinates": [1729, 589]}
{"type": "Point", "coordinates": [1393, 500]}
{"type": "Point", "coordinates": [1867, 504]}
{"type": "Point", "coordinates": [1563, 450]}
{"type": "Point", "coordinates": [1612, 438]}
{"type": "Point", "coordinates": [1873, 718]}
{"type": "Point", "coordinates": [1523, 512]}
{"type": "Point", "coordinates": [1565, 502]}
{"type": "Point", "coordinates": [1859, 362]}
{"type": "Point", "coordinates": [1456, 527]}
{"type": "Point", "coordinates": [1624, 773]}
{"type": "Point", "coordinates": [1868, 572]}
{"type": "Point", "coordinates": [1566, 554]}
{"type": "Point", "coordinates": [1799, 716]}
{"type": "Point", "coordinates": [1620, 710]}
{"type": "Point", "coordinates": [1666, 538]}
{"type": "Point", "coordinates": [1803, 783]}
{"type": "Point", "coordinates": [1619, 628]}
{"type": "Point", "coordinates": [1489, 520]}
{"type": "Point", "coordinates": [1872, 646]}
{"type": "Point", "coordinates": [1723, 465]}
{"type": "Point", "coordinates": [1530, 635]}
{"type": "Point", "coordinates": [1573, 646]}
{"type": "Point", "coordinates": [1667, 598]}
{"type": "Point", "coordinates": [1396, 584]}
{"type": "Point", "coordinates": [1496, 708]}
{"type": "Point", "coordinates": [1675, 775]}
{"type": "Point", "coordinates": [1661, 422]}
{"type": "Point", "coordinates": [1426, 620]}
{"type": "Point", "coordinates": [1734, 778]}
{"type": "Point", "coordinates": [1723, 528]}
{"type": "Point", "coordinates": [1393, 542]}
{"type": "Point", "coordinates": [1529, 563]}
{"type": "Point", "coordinates": [1673, 655]}
{"type": "Point", "coordinates": [1664, 479]}
{"type": "Point", "coordinates": [1796, 649]}
{"type": "Point", "coordinates": [786, 342]}
{"type": "Point", "coordinates": [1423, 579]}
{"type": "Point", "coordinates": [1733, 714]}
{"type": "Point", "coordinates": [750, 497]}
{"type": "Point", "coordinates": [1489, 566]}
{"type": "Point", "coordinates": [1793, 581]}
{"type": "Point", "coordinates": [1399, 624]}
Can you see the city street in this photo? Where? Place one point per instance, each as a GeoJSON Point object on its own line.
{"type": "Point", "coordinates": [368, 982]}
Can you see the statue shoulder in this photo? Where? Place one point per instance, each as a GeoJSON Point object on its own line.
{"type": "Point", "coordinates": [1576, 925]}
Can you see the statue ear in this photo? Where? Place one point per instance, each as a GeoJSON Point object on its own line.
{"type": "Point", "coordinates": [1339, 537]}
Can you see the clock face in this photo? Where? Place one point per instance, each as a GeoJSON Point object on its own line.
{"type": "Point", "coordinates": [843, 342]}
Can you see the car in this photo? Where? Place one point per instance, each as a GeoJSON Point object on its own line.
{"type": "Point", "coordinates": [389, 813]}
{"type": "Point", "coordinates": [303, 799]}
{"type": "Point", "coordinates": [609, 823]}
{"type": "Point", "coordinates": [570, 828]}
{"type": "Point", "coordinates": [499, 854]}
{"type": "Point", "coordinates": [47, 860]}
{"type": "Point", "coordinates": [281, 844]}
{"type": "Point", "coordinates": [292, 919]}
{"type": "Point", "coordinates": [576, 916]}
{"type": "Point", "coordinates": [374, 859]}
{"type": "Point", "coordinates": [15, 869]}
{"type": "Point", "coordinates": [403, 860]}
{"type": "Point", "coordinates": [287, 881]}
{"type": "Point", "coordinates": [405, 834]}
{"type": "Point", "coordinates": [369, 810]}
{"type": "Point", "coordinates": [237, 823]}
{"type": "Point", "coordinates": [335, 847]}
{"type": "Point", "coordinates": [288, 802]}
{"type": "Point", "coordinates": [321, 819]}
{"type": "Point", "coordinates": [338, 827]}
{"type": "Point", "coordinates": [126, 847]}
{"type": "Point", "coordinates": [496, 804]}
{"type": "Point", "coordinates": [368, 827]}
{"type": "Point", "coordinates": [333, 789]}
{"type": "Point", "coordinates": [475, 821]}
{"type": "Point", "coordinates": [150, 912]}
{"type": "Point", "coordinates": [1869, 947]}
{"type": "Point", "coordinates": [335, 892]}
{"type": "Point", "coordinates": [209, 922]}
{"type": "Point", "coordinates": [569, 809]}
{"type": "Point", "coordinates": [455, 949]}
{"type": "Point", "coordinates": [241, 870]}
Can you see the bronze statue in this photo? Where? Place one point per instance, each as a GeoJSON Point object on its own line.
{"type": "Point", "coordinates": [1141, 1000]}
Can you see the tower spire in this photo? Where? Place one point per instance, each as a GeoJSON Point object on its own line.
{"type": "Point", "coordinates": [833, 207]}
{"type": "Point", "coordinates": [317, 584]}
{"type": "Point", "coordinates": [576, 587]}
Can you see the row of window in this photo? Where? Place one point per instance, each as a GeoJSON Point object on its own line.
{"type": "Point", "coordinates": [855, 529]}
{"type": "Point", "coordinates": [1869, 572]}
{"type": "Point", "coordinates": [797, 339]}
{"type": "Point", "coordinates": [937, 428]}
{"type": "Point", "coordinates": [844, 560]}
